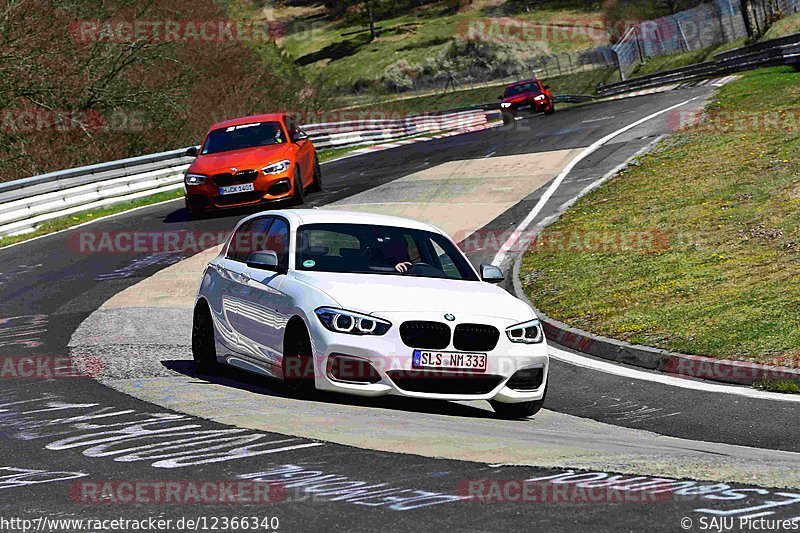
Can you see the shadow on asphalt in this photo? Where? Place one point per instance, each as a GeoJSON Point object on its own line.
{"type": "Point", "coordinates": [232, 377]}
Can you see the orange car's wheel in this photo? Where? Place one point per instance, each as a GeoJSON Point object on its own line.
{"type": "Point", "coordinates": [299, 193]}
{"type": "Point", "coordinates": [316, 183]}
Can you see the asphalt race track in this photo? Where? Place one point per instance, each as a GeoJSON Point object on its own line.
{"type": "Point", "coordinates": [610, 452]}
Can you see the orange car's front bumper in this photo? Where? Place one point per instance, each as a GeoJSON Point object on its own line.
{"type": "Point", "coordinates": [271, 188]}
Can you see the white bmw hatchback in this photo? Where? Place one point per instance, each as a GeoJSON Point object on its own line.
{"type": "Point", "coordinates": [368, 305]}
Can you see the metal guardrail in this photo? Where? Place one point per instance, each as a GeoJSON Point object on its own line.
{"type": "Point", "coordinates": [28, 202]}
{"type": "Point", "coordinates": [353, 133]}
{"type": "Point", "coordinates": [780, 51]}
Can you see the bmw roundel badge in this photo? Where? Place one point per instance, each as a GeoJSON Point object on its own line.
{"type": "Point", "coordinates": [449, 317]}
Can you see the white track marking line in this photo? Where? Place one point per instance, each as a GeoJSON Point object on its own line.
{"type": "Point", "coordinates": [512, 240]}
{"type": "Point", "coordinates": [665, 379]}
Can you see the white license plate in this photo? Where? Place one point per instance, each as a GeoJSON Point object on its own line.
{"type": "Point", "coordinates": [449, 360]}
{"type": "Point", "coordinates": [233, 189]}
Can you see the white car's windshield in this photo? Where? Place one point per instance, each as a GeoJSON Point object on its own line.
{"type": "Point", "coordinates": [368, 249]}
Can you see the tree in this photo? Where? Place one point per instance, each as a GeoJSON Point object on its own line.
{"type": "Point", "coordinates": [370, 18]}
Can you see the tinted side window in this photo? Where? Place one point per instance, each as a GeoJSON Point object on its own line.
{"type": "Point", "coordinates": [239, 243]}
{"type": "Point", "coordinates": [278, 241]}
{"type": "Point", "coordinates": [292, 126]}
{"type": "Point", "coordinates": [251, 237]}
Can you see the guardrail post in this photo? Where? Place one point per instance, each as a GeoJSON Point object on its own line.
{"type": "Point", "coordinates": [638, 44]}
{"type": "Point", "coordinates": [618, 63]}
{"type": "Point", "coordinates": [684, 41]}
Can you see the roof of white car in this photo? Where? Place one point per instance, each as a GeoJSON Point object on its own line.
{"type": "Point", "coordinates": [335, 216]}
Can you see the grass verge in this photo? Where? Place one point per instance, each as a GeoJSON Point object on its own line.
{"type": "Point", "coordinates": [783, 386]}
{"type": "Point", "coordinates": [695, 248]}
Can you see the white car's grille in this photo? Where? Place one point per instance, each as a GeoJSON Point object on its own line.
{"type": "Point", "coordinates": [427, 335]}
{"type": "Point", "coordinates": [476, 337]}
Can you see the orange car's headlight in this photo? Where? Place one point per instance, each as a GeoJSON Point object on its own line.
{"type": "Point", "coordinates": [194, 179]}
{"type": "Point", "coordinates": [277, 168]}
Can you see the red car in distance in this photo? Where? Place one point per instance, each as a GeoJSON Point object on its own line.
{"type": "Point", "coordinates": [526, 97]}
{"type": "Point", "coordinates": [251, 160]}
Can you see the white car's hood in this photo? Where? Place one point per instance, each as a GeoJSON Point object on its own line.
{"type": "Point", "coordinates": [371, 293]}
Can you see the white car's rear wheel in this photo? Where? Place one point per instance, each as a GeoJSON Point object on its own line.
{"type": "Point", "coordinates": [204, 350]}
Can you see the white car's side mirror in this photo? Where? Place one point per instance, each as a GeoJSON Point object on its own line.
{"type": "Point", "coordinates": [492, 274]}
{"type": "Point", "coordinates": [267, 260]}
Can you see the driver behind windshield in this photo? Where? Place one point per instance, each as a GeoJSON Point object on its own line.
{"type": "Point", "coordinates": [394, 253]}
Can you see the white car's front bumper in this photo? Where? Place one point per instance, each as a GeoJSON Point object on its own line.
{"type": "Point", "coordinates": [388, 355]}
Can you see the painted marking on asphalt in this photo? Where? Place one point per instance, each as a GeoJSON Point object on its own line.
{"type": "Point", "coordinates": [25, 331]}
{"type": "Point", "coordinates": [9, 275]}
{"type": "Point", "coordinates": [721, 499]}
{"type": "Point", "coordinates": [704, 386]}
{"type": "Point", "coordinates": [596, 120]}
{"type": "Point", "coordinates": [324, 486]}
{"type": "Point", "coordinates": [502, 254]}
{"type": "Point", "coordinates": [139, 264]}
{"type": "Point", "coordinates": [11, 477]}
{"type": "Point", "coordinates": [620, 409]}
{"type": "Point", "coordinates": [165, 440]}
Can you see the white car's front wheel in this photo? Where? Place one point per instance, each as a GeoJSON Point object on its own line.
{"type": "Point", "coordinates": [298, 361]}
{"type": "Point", "coordinates": [515, 411]}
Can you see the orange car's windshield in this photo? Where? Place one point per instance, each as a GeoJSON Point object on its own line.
{"type": "Point", "coordinates": [244, 136]}
{"type": "Point", "coordinates": [523, 88]}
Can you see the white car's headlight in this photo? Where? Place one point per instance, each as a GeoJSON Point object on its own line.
{"type": "Point", "coordinates": [527, 333]}
{"type": "Point", "coordinates": [540, 97]}
{"type": "Point", "coordinates": [277, 168]}
{"type": "Point", "coordinates": [505, 104]}
{"type": "Point", "coordinates": [342, 321]}
{"type": "Point", "coordinates": [194, 179]}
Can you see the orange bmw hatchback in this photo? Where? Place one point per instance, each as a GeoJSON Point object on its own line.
{"type": "Point", "coordinates": [252, 160]}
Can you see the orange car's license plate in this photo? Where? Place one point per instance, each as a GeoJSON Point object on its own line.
{"type": "Point", "coordinates": [233, 189]}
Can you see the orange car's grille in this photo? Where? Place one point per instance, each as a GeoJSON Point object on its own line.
{"type": "Point", "coordinates": [243, 176]}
